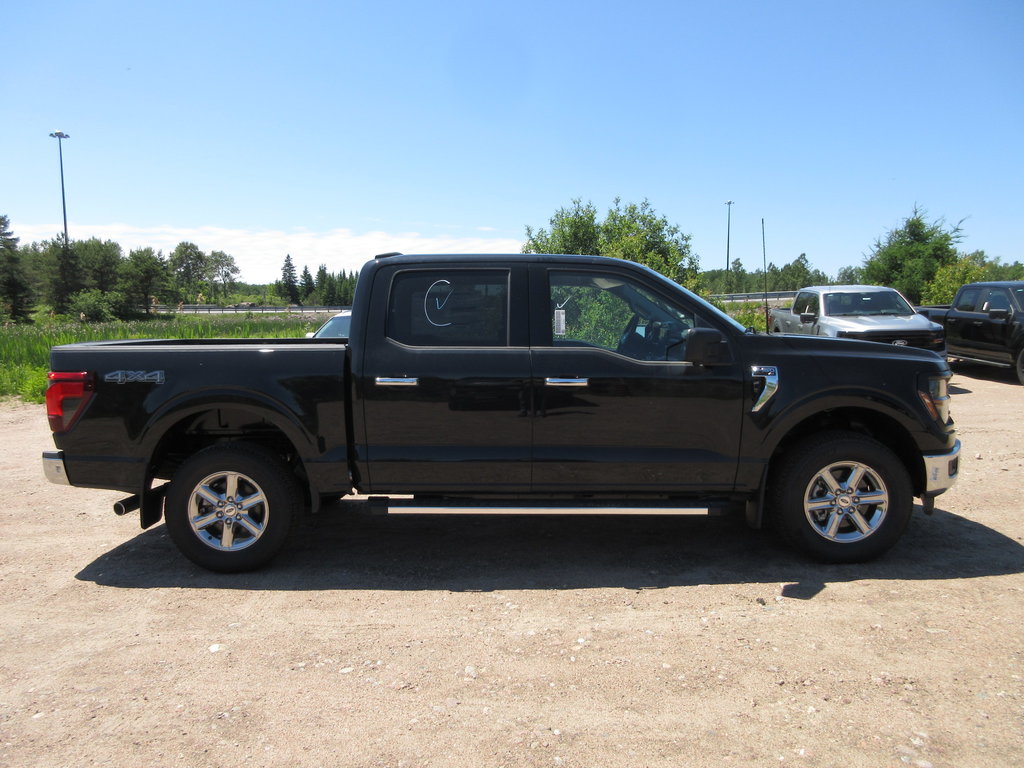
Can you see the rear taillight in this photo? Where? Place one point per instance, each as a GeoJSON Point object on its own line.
{"type": "Point", "coordinates": [67, 394]}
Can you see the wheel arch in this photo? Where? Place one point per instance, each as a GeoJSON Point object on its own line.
{"type": "Point", "coordinates": [880, 426]}
{"type": "Point", "coordinates": [182, 430]}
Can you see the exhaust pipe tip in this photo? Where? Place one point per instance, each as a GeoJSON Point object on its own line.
{"type": "Point", "coordinates": [124, 506]}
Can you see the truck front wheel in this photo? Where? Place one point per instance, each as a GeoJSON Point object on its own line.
{"type": "Point", "coordinates": [1020, 365]}
{"type": "Point", "coordinates": [841, 497]}
{"type": "Point", "coordinates": [231, 508]}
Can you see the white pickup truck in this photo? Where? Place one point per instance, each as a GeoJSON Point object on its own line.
{"type": "Point", "coordinates": [866, 312]}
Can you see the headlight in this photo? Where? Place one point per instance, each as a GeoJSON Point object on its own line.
{"type": "Point", "coordinates": [935, 396]}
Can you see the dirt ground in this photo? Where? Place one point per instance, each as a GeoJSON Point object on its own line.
{"type": "Point", "coordinates": [517, 641]}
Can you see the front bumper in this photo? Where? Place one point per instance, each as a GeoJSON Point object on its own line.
{"type": "Point", "coordinates": [941, 471]}
{"type": "Point", "coordinates": [53, 467]}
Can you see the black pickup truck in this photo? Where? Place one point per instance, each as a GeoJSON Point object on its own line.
{"type": "Point", "coordinates": [985, 324]}
{"type": "Point", "coordinates": [508, 381]}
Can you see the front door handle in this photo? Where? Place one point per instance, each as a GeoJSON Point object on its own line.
{"type": "Point", "coordinates": [396, 381]}
{"type": "Point", "coordinates": [555, 381]}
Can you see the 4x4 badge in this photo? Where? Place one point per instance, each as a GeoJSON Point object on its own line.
{"type": "Point", "coordinates": [132, 377]}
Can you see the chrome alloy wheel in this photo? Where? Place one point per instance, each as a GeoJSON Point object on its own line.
{"type": "Point", "coordinates": [228, 511]}
{"type": "Point", "coordinates": [846, 502]}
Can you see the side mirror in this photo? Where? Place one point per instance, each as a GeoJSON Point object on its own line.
{"type": "Point", "coordinates": [704, 346]}
{"type": "Point", "coordinates": [998, 314]}
{"type": "Point", "coordinates": [808, 317]}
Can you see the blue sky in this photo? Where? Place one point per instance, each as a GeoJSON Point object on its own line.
{"type": "Point", "coordinates": [332, 131]}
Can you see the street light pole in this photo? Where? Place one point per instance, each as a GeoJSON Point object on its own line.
{"type": "Point", "coordinates": [728, 232]}
{"type": "Point", "coordinates": [60, 136]}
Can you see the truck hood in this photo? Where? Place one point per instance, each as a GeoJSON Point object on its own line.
{"type": "Point", "coordinates": [829, 348]}
{"type": "Point", "coordinates": [902, 323]}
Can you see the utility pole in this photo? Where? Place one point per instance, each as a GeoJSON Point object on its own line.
{"type": "Point", "coordinates": [728, 232]}
{"type": "Point", "coordinates": [60, 136]}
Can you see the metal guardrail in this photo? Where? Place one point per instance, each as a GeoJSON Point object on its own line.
{"type": "Point", "coordinates": [759, 296]}
{"type": "Point", "coordinates": [262, 309]}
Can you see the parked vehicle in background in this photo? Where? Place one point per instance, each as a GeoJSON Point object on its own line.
{"type": "Point", "coordinates": [508, 381]}
{"type": "Point", "coordinates": [335, 328]}
{"type": "Point", "coordinates": [865, 312]}
{"type": "Point", "coordinates": [984, 324]}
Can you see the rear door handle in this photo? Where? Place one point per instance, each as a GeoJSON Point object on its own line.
{"type": "Point", "coordinates": [396, 381]}
{"type": "Point", "coordinates": [554, 381]}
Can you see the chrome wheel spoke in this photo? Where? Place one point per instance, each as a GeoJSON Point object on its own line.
{"type": "Point", "coordinates": [832, 529]}
{"type": "Point", "coordinates": [204, 521]}
{"type": "Point", "coordinates": [829, 479]}
{"type": "Point", "coordinates": [227, 535]}
{"type": "Point", "coordinates": [209, 495]}
{"type": "Point", "coordinates": [250, 525]}
{"type": "Point", "coordinates": [855, 478]}
{"type": "Point", "coordinates": [251, 501]}
{"type": "Point", "coordinates": [858, 520]}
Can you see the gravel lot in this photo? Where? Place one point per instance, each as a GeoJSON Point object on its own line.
{"type": "Point", "coordinates": [517, 641]}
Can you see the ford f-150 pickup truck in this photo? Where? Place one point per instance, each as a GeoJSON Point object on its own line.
{"type": "Point", "coordinates": [508, 381]}
{"type": "Point", "coordinates": [867, 312]}
{"type": "Point", "coordinates": [985, 324]}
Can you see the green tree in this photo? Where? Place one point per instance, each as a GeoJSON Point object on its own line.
{"type": "Point", "coordinates": [320, 283]}
{"type": "Point", "coordinates": [799, 274]}
{"type": "Point", "coordinates": [573, 230]}
{"type": "Point", "coordinates": [62, 274]}
{"type": "Point", "coordinates": [908, 257]}
{"type": "Point", "coordinates": [968, 268]}
{"type": "Point", "coordinates": [144, 276]}
{"type": "Point", "coordinates": [223, 274]}
{"type": "Point", "coordinates": [96, 306]}
{"type": "Point", "coordinates": [190, 269]}
{"type": "Point", "coordinates": [289, 285]}
{"type": "Point", "coordinates": [306, 285]}
{"type": "Point", "coordinates": [101, 262]}
{"type": "Point", "coordinates": [15, 290]}
{"type": "Point", "coordinates": [633, 232]}
{"type": "Point", "coordinates": [850, 276]}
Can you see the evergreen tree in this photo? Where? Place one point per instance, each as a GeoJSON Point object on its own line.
{"type": "Point", "coordinates": [307, 286]}
{"type": "Point", "coordinates": [289, 281]}
{"type": "Point", "coordinates": [15, 291]}
{"type": "Point", "coordinates": [63, 274]}
{"type": "Point", "coordinates": [144, 276]}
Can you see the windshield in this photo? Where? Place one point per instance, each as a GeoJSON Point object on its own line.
{"type": "Point", "coordinates": [336, 327]}
{"type": "Point", "coordinates": [711, 308]}
{"type": "Point", "coordinates": [859, 303]}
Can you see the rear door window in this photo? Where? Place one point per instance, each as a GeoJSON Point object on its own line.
{"type": "Point", "coordinates": [449, 308]}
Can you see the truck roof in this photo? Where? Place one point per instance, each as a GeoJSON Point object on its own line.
{"type": "Point", "coordinates": [848, 288]}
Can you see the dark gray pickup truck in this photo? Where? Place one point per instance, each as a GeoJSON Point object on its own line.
{"type": "Point", "coordinates": [511, 381]}
{"type": "Point", "coordinates": [985, 324]}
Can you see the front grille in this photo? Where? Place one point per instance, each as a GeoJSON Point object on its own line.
{"type": "Point", "coordinates": [922, 340]}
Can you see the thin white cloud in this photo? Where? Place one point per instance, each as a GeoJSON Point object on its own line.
{"type": "Point", "coordinates": [260, 254]}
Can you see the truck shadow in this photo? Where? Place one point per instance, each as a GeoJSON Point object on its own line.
{"type": "Point", "coordinates": [462, 553]}
{"type": "Point", "coordinates": [964, 372]}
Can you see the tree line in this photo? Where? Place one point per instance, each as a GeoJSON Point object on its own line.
{"type": "Point", "coordinates": [94, 280]}
{"type": "Point", "coordinates": [920, 258]}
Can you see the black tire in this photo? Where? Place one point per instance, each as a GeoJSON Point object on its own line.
{"type": "Point", "coordinates": [841, 497]}
{"type": "Point", "coordinates": [231, 508]}
{"type": "Point", "coordinates": [1019, 365]}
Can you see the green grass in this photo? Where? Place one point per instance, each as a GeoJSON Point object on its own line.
{"type": "Point", "coordinates": [25, 349]}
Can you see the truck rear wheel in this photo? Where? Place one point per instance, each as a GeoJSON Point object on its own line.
{"type": "Point", "coordinates": [1020, 365]}
{"type": "Point", "coordinates": [841, 497]}
{"type": "Point", "coordinates": [231, 508]}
